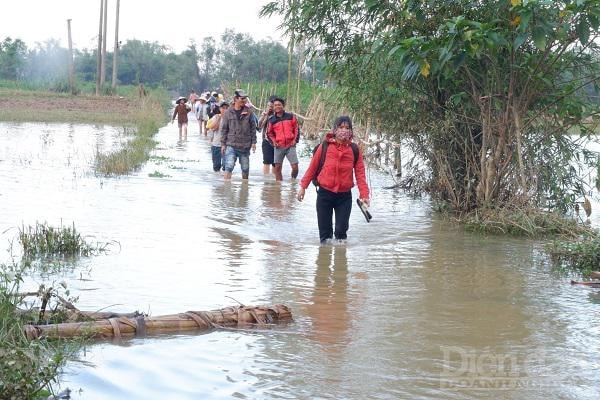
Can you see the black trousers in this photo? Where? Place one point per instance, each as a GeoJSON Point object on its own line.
{"type": "Point", "coordinates": [327, 203]}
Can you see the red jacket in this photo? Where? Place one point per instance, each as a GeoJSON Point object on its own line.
{"type": "Point", "coordinates": [283, 131]}
{"type": "Point", "coordinates": [336, 174]}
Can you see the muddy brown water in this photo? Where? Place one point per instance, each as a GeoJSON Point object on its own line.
{"type": "Point", "coordinates": [411, 307]}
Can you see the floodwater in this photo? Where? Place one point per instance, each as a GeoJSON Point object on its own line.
{"type": "Point", "coordinates": [411, 307]}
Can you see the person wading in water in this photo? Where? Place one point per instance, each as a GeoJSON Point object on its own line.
{"type": "Point", "coordinates": [283, 132]}
{"type": "Point", "coordinates": [238, 135]}
{"type": "Point", "coordinates": [335, 180]}
{"type": "Point", "coordinates": [181, 112]}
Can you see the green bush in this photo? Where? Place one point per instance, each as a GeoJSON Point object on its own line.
{"type": "Point", "coordinates": [581, 255]}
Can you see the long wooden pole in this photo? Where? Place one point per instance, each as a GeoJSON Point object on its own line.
{"type": "Point", "coordinates": [71, 66]}
{"type": "Point", "coordinates": [116, 51]}
{"type": "Point", "coordinates": [99, 54]}
{"type": "Point", "coordinates": [104, 28]}
{"type": "Point", "coordinates": [191, 320]}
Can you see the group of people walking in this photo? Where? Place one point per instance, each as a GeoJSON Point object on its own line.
{"type": "Point", "coordinates": [232, 130]}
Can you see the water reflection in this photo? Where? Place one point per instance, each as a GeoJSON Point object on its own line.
{"type": "Point", "coordinates": [271, 198]}
{"type": "Point", "coordinates": [230, 209]}
{"type": "Point", "coordinates": [328, 308]}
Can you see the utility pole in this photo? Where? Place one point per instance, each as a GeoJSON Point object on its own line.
{"type": "Point", "coordinates": [116, 51]}
{"type": "Point", "coordinates": [104, 28]}
{"type": "Point", "coordinates": [99, 53]}
{"type": "Point", "coordinates": [71, 67]}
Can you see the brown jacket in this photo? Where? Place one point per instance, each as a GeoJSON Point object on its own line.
{"type": "Point", "coordinates": [238, 132]}
{"type": "Point", "coordinates": [181, 111]}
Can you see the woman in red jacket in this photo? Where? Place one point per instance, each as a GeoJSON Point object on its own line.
{"type": "Point", "coordinates": [335, 181]}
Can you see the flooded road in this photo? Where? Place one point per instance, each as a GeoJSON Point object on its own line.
{"type": "Point", "coordinates": [411, 307]}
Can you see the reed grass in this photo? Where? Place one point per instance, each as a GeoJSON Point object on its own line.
{"type": "Point", "coordinates": [522, 222]}
{"type": "Point", "coordinates": [132, 155]}
{"type": "Point", "coordinates": [44, 240]}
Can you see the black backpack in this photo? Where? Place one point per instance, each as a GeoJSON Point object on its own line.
{"type": "Point", "coordinates": [324, 154]}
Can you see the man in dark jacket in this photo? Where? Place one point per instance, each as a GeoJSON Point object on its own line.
{"type": "Point", "coordinates": [238, 135]}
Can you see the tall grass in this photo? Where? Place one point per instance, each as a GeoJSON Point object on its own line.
{"type": "Point", "coordinates": [45, 240]}
{"type": "Point", "coordinates": [259, 93]}
{"type": "Point", "coordinates": [521, 222]}
{"type": "Point", "coordinates": [134, 153]}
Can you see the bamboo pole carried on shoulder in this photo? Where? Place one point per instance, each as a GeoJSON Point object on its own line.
{"type": "Point", "coordinates": [122, 326]}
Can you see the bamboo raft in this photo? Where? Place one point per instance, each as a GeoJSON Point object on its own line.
{"type": "Point", "coordinates": [129, 325]}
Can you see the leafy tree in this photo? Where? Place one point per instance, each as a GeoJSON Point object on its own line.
{"type": "Point", "coordinates": [142, 62]}
{"type": "Point", "coordinates": [242, 58]}
{"type": "Point", "coordinates": [208, 60]}
{"type": "Point", "coordinates": [483, 91]}
{"type": "Point", "coordinates": [12, 58]}
{"type": "Point", "coordinates": [85, 65]}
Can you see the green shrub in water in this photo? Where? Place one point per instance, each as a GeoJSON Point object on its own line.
{"type": "Point", "coordinates": [27, 368]}
{"type": "Point", "coordinates": [45, 240]}
{"type": "Point", "coordinates": [582, 255]}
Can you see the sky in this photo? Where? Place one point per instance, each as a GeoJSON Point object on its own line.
{"type": "Point", "coordinates": [172, 23]}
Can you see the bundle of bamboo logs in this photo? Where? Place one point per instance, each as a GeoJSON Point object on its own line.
{"type": "Point", "coordinates": [128, 325]}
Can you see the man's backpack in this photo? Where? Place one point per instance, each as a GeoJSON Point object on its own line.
{"type": "Point", "coordinates": [324, 154]}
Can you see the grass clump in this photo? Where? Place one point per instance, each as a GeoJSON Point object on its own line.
{"type": "Point", "coordinates": [45, 240]}
{"type": "Point", "coordinates": [28, 368]}
{"type": "Point", "coordinates": [581, 255]}
{"type": "Point", "coordinates": [522, 222]}
{"type": "Point", "coordinates": [158, 174]}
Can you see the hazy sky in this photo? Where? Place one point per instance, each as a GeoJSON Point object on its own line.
{"type": "Point", "coordinates": [172, 23]}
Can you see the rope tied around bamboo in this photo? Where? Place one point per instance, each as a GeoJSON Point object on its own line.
{"type": "Point", "coordinates": [124, 326]}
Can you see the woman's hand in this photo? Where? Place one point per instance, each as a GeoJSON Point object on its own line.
{"type": "Point", "coordinates": [301, 194]}
{"type": "Point", "coordinates": [366, 201]}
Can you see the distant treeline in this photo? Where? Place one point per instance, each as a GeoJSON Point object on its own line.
{"type": "Point", "coordinates": [233, 56]}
